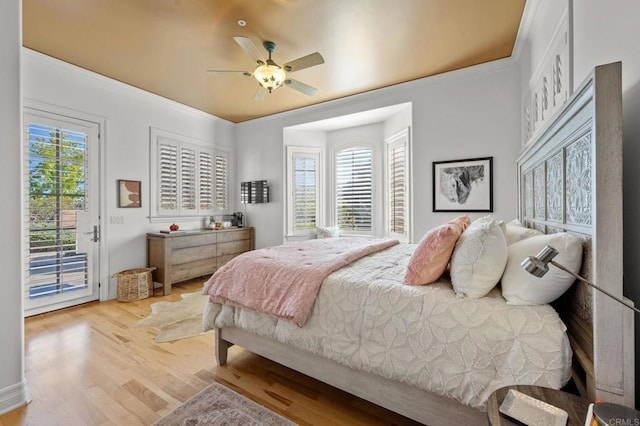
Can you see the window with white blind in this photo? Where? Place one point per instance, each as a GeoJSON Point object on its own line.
{"type": "Point", "coordinates": [397, 188]}
{"type": "Point", "coordinates": [221, 181]}
{"type": "Point", "coordinates": [188, 178]}
{"type": "Point", "coordinates": [206, 197]}
{"type": "Point", "coordinates": [354, 190]}
{"type": "Point", "coordinates": [303, 198]}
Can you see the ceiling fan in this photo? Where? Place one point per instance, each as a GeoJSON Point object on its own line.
{"type": "Point", "coordinates": [270, 75]}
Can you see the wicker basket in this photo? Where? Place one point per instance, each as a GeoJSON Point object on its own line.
{"type": "Point", "coordinates": [134, 284]}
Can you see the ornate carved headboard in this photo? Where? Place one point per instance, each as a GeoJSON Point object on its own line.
{"type": "Point", "coordinates": [570, 179]}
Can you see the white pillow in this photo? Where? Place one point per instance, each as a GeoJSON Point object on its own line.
{"type": "Point", "coordinates": [327, 232]}
{"type": "Point", "coordinates": [515, 233]}
{"type": "Point", "coordinates": [521, 288]}
{"type": "Point", "coordinates": [479, 258]}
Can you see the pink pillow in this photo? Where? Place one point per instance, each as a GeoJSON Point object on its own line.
{"type": "Point", "coordinates": [433, 253]}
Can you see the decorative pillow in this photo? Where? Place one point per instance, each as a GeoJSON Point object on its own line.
{"type": "Point", "coordinates": [433, 252]}
{"type": "Point", "coordinates": [327, 232]}
{"type": "Point", "coordinates": [515, 233]}
{"type": "Point", "coordinates": [479, 258]}
{"type": "Point", "coordinates": [515, 222]}
{"type": "Point", "coordinates": [521, 288]}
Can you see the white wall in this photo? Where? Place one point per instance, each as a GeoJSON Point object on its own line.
{"type": "Point", "coordinates": [463, 114]}
{"type": "Point", "coordinates": [129, 112]}
{"type": "Point", "coordinates": [605, 32]}
{"type": "Point", "coordinates": [13, 387]}
{"type": "Point", "coordinates": [532, 49]}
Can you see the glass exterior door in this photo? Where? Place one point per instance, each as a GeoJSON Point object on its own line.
{"type": "Point", "coordinates": [62, 223]}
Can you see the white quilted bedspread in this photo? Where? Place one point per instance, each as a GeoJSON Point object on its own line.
{"type": "Point", "coordinates": [366, 318]}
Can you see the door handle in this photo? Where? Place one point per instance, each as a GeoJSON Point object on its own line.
{"type": "Point", "coordinates": [95, 233]}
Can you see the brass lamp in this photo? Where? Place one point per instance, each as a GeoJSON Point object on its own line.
{"type": "Point", "coordinates": [539, 265]}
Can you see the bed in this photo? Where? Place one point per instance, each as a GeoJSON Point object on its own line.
{"type": "Point", "coordinates": [582, 197]}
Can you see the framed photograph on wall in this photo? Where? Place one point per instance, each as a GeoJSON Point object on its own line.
{"type": "Point", "coordinates": [463, 185]}
{"type": "Point", "coordinates": [129, 193]}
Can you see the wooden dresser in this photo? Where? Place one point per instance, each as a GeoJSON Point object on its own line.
{"type": "Point", "coordinates": [193, 254]}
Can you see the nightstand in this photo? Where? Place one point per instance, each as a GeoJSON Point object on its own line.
{"type": "Point", "coordinates": [575, 406]}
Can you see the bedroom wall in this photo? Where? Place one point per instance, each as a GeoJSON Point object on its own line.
{"type": "Point", "coordinates": [468, 113]}
{"type": "Point", "coordinates": [129, 112]}
{"type": "Point", "coordinates": [13, 387]}
{"type": "Point", "coordinates": [536, 32]}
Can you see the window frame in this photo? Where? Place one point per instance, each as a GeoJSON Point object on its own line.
{"type": "Point", "coordinates": [376, 176]}
{"type": "Point", "coordinates": [305, 152]}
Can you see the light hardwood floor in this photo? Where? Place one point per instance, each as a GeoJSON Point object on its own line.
{"type": "Point", "coordinates": [88, 365]}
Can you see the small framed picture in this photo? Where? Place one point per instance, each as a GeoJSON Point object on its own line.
{"type": "Point", "coordinates": [129, 193]}
{"type": "Point", "coordinates": [463, 185]}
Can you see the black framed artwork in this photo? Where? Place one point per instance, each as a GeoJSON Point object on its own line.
{"type": "Point", "coordinates": [129, 193]}
{"type": "Point", "coordinates": [463, 185]}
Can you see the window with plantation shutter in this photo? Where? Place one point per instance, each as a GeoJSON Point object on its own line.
{"type": "Point", "coordinates": [397, 190]}
{"type": "Point", "coordinates": [205, 165]}
{"type": "Point", "coordinates": [168, 176]}
{"type": "Point", "coordinates": [354, 190]}
{"type": "Point", "coordinates": [305, 171]}
{"type": "Point", "coordinates": [221, 182]}
{"type": "Point", "coordinates": [187, 177]}
{"type": "Point", "coordinates": [304, 183]}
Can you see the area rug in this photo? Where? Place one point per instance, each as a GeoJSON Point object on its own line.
{"type": "Point", "coordinates": [219, 405]}
{"type": "Point", "coordinates": [176, 320]}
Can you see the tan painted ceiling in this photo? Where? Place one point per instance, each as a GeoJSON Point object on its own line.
{"type": "Point", "coordinates": [166, 46]}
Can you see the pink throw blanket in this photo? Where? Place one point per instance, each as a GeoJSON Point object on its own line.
{"type": "Point", "coordinates": [284, 280]}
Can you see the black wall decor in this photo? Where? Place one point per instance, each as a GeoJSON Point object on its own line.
{"type": "Point", "coordinates": [254, 192]}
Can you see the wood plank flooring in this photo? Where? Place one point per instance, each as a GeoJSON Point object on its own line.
{"type": "Point", "coordinates": [88, 365]}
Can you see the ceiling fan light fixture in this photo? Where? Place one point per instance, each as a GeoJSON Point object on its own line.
{"type": "Point", "coordinates": [270, 76]}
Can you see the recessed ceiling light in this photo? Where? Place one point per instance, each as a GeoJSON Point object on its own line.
{"type": "Point", "coordinates": [242, 22]}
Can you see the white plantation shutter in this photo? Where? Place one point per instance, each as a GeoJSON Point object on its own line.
{"type": "Point", "coordinates": [188, 179]}
{"type": "Point", "coordinates": [205, 166]}
{"type": "Point", "coordinates": [305, 192]}
{"type": "Point", "coordinates": [354, 189]}
{"type": "Point", "coordinates": [56, 160]}
{"type": "Point", "coordinates": [183, 177]}
{"type": "Point", "coordinates": [304, 189]}
{"type": "Point", "coordinates": [168, 176]}
{"type": "Point", "coordinates": [397, 188]}
{"type": "Point", "coordinates": [221, 183]}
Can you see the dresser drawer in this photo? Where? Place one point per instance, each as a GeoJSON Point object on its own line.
{"type": "Point", "coordinates": [233, 247]}
{"type": "Point", "coordinates": [189, 254]}
{"type": "Point", "coordinates": [194, 240]}
{"type": "Point", "coordinates": [240, 234]}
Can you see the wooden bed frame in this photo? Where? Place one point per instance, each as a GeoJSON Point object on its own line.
{"type": "Point", "coordinates": [601, 331]}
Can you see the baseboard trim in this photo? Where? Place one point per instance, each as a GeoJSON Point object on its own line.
{"type": "Point", "coordinates": [14, 396]}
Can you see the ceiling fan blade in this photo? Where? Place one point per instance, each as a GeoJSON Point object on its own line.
{"type": "Point", "coordinates": [250, 48]}
{"type": "Point", "coordinates": [304, 62]}
{"type": "Point", "coordinates": [301, 87]}
{"type": "Point", "coordinates": [222, 72]}
{"type": "Point", "coordinates": [260, 94]}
